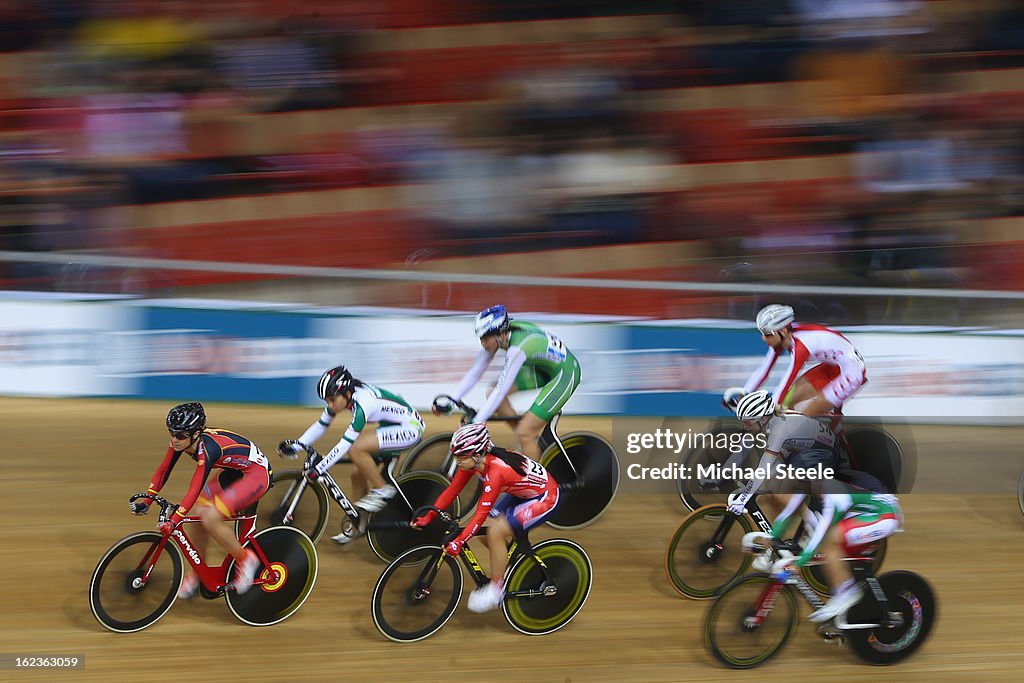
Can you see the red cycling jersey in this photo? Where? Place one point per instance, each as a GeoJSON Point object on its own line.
{"type": "Point", "coordinates": [815, 343]}
{"type": "Point", "coordinates": [217, 448]}
{"type": "Point", "coordinates": [499, 477]}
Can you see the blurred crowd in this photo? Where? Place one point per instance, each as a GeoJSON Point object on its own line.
{"type": "Point", "coordinates": [519, 138]}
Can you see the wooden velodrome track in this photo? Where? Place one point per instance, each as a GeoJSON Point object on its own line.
{"type": "Point", "coordinates": [69, 466]}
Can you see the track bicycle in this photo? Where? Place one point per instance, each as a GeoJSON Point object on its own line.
{"type": "Point", "coordinates": [137, 579]}
{"type": "Point", "coordinates": [756, 615]}
{"type": "Point", "coordinates": [706, 552]}
{"type": "Point", "coordinates": [583, 463]}
{"type": "Point", "coordinates": [295, 501]}
{"type": "Point", "coordinates": [546, 585]}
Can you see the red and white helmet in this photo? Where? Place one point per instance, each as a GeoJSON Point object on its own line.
{"type": "Point", "coordinates": [471, 440]}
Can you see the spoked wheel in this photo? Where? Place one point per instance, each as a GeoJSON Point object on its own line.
{"type": "Point", "coordinates": [698, 489]}
{"type": "Point", "coordinates": [696, 565]}
{"type": "Point", "coordinates": [293, 501]}
{"type": "Point", "coordinates": [814, 574]}
{"type": "Point", "coordinates": [417, 594]}
{"type": "Point", "coordinates": [571, 574]}
{"type": "Point", "coordinates": [388, 531]}
{"type": "Point", "coordinates": [588, 476]}
{"type": "Point", "coordinates": [433, 456]}
{"type": "Point", "coordinates": [283, 584]}
{"type": "Point", "coordinates": [731, 629]}
{"type": "Point", "coordinates": [913, 601]}
{"type": "Point", "coordinates": [1020, 493]}
{"type": "Point", "coordinates": [121, 596]}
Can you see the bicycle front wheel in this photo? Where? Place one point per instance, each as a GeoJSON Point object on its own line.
{"type": "Point", "coordinates": [121, 596]}
{"type": "Point", "coordinates": [417, 594]}
{"type": "Point", "coordinates": [563, 589]}
{"type": "Point", "coordinates": [736, 630]}
{"type": "Point", "coordinates": [705, 553]}
{"type": "Point", "coordinates": [283, 584]}
{"type": "Point", "coordinates": [588, 476]}
{"type": "Point", "coordinates": [388, 531]}
{"type": "Point", "coordinates": [294, 501]}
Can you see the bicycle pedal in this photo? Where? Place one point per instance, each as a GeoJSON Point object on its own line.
{"type": "Point", "coordinates": [831, 634]}
{"type": "Point", "coordinates": [549, 590]}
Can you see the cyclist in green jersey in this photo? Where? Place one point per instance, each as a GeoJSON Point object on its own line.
{"type": "Point", "coordinates": [534, 359]}
{"type": "Point", "coordinates": [850, 519]}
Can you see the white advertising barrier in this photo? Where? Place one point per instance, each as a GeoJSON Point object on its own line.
{"type": "Point", "coordinates": [420, 358]}
{"type": "Point", "coordinates": [948, 376]}
{"type": "Point", "coordinates": [51, 348]}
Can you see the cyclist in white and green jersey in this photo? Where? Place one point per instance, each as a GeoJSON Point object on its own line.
{"type": "Point", "coordinates": [850, 519]}
{"type": "Point", "coordinates": [534, 359]}
{"type": "Point", "coordinates": [399, 426]}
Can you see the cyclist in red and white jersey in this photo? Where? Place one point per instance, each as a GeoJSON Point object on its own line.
{"type": "Point", "coordinates": [518, 494]}
{"type": "Point", "coordinates": [824, 388]}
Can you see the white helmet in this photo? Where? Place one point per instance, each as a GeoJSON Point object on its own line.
{"type": "Point", "coordinates": [755, 405]}
{"type": "Point", "coordinates": [774, 317]}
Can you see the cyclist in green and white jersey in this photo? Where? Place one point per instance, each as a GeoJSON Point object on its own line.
{"type": "Point", "coordinates": [850, 519]}
{"type": "Point", "coordinates": [534, 359]}
{"type": "Point", "coordinates": [399, 426]}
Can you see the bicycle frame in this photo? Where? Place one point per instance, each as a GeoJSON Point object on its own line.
{"type": "Point", "coordinates": [213, 577]}
{"type": "Point", "coordinates": [336, 492]}
{"type": "Point", "coordinates": [765, 603]}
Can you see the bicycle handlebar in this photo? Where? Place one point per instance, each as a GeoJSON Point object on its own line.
{"type": "Point", "coordinates": [469, 412]}
{"type": "Point", "coordinates": [167, 508]}
{"type": "Point", "coordinates": [449, 521]}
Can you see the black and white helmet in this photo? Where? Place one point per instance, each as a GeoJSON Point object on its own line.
{"type": "Point", "coordinates": [186, 417]}
{"type": "Point", "coordinates": [755, 405]}
{"type": "Point", "coordinates": [333, 382]}
{"type": "Point", "coordinates": [774, 317]}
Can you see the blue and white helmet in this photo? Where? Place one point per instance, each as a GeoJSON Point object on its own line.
{"type": "Point", "coordinates": [492, 321]}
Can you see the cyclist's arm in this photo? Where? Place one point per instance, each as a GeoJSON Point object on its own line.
{"type": "Point", "coordinates": [447, 496]}
{"type": "Point", "coordinates": [483, 359]}
{"type": "Point", "coordinates": [347, 439]}
{"type": "Point", "coordinates": [786, 516]}
{"type": "Point", "coordinates": [491, 493]}
{"type": "Point", "coordinates": [208, 458]}
{"type": "Point", "coordinates": [797, 358]}
{"type": "Point", "coordinates": [164, 470]}
{"type": "Point", "coordinates": [830, 514]}
{"type": "Point", "coordinates": [762, 372]}
{"type": "Point", "coordinates": [515, 357]}
{"type": "Point", "coordinates": [767, 465]}
{"type": "Point", "coordinates": [318, 428]}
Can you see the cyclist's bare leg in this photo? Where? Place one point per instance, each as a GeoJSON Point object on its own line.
{"type": "Point", "coordinates": [528, 432]}
{"type": "Point", "coordinates": [836, 569]}
{"type": "Point", "coordinates": [361, 453]}
{"type": "Point", "coordinates": [499, 533]}
{"type": "Point", "coordinates": [213, 524]}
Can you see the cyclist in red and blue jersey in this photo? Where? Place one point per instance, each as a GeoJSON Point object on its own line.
{"type": "Point", "coordinates": [518, 494]}
{"type": "Point", "coordinates": [243, 478]}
